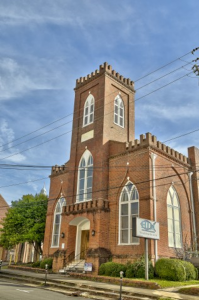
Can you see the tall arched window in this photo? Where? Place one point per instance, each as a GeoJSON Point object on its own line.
{"type": "Point", "coordinates": [85, 177]}
{"type": "Point", "coordinates": [57, 222]}
{"type": "Point", "coordinates": [174, 219]}
{"type": "Point", "coordinates": [89, 110]}
{"type": "Point", "coordinates": [119, 111]}
{"type": "Point", "coordinates": [128, 209]}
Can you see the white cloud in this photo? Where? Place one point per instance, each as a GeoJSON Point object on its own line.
{"type": "Point", "coordinates": [61, 12]}
{"type": "Point", "coordinates": [6, 137]}
{"type": "Point", "coordinates": [172, 113]}
{"type": "Point", "coordinates": [17, 79]}
{"type": "Point", "coordinates": [33, 185]}
{"type": "Point", "coordinates": [6, 133]}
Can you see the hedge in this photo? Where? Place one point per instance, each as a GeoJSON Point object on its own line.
{"type": "Point", "coordinates": [191, 271]}
{"type": "Point", "coordinates": [36, 264]}
{"type": "Point", "coordinates": [112, 269]}
{"type": "Point", "coordinates": [170, 269]}
{"type": "Point", "coordinates": [137, 270]}
{"type": "Point", "coordinates": [48, 261]}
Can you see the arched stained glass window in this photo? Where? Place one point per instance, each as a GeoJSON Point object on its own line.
{"type": "Point", "coordinates": [57, 221]}
{"type": "Point", "coordinates": [119, 111]}
{"type": "Point", "coordinates": [89, 110]}
{"type": "Point", "coordinates": [128, 210]}
{"type": "Point", "coordinates": [85, 177]}
{"type": "Point", "coordinates": [174, 219]}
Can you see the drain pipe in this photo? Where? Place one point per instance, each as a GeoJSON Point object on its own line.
{"type": "Point", "coordinates": [153, 157]}
{"type": "Point", "coordinates": [192, 210]}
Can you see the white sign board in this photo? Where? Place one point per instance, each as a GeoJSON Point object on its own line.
{"type": "Point", "coordinates": [147, 229]}
{"type": "Point", "coordinates": [88, 267]}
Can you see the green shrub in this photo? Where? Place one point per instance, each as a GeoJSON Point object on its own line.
{"type": "Point", "coordinates": [102, 269]}
{"type": "Point", "coordinates": [190, 270]}
{"type": "Point", "coordinates": [36, 264]}
{"type": "Point", "coordinates": [137, 270]}
{"type": "Point", "coordinates": [112, 269]}
{"type": "Point", "coordinates": [170, 269]}
{"type": "Point", "coordinates": [48, 261]}
{"type": "Point", "coordinates": [197, 272]}
{"type": "Point", "coordinates": [116, 271]}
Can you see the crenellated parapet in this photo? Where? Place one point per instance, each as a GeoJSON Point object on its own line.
{"type": "Point", "coordinates": [86, 207]}
{"type": "Point", "coordinates": [150, 140]}
{"type": "Point", "coordinates": [58, 170]}
{"type": "Point", "coordinates": [105, 68]}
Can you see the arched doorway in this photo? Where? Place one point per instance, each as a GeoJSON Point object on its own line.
{"type": "Point", "coordinates": [82, 236]}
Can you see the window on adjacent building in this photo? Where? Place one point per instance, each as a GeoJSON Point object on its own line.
{"type": "Point", "coordinates": [89, 110]}
{"type": "Point", "coordinates": [57, 222]}
{"type": "Point", "coordinates": [174, 219]}
{"type": "Point", "coordinates": [128, 210]}
{"type": "Point", "coordinates": [119, 111]}
{"type": "Point", "coordinates": [85, 177]}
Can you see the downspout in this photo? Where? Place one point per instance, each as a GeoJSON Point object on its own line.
{"type": "Point", "coordinates": [192, 210]}
{"type": "Point", "coordinates": [153, 157]}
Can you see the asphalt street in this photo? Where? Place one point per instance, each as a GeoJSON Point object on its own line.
{"type": "Point", "coordinates": [10, 290]}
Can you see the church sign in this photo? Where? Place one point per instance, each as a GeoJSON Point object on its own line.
{"type": "Point", "coordinates": [146, 228]}
{"type": "Point", "coordinates": [88, 267]}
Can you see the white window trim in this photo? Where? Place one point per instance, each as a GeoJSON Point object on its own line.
{"type": "Point", "coordinates": [86, 156]}
{"type": "Point", "coordinates": [173, 220]}
{"type": "Point", "coordinates": [129, 218]}
{"type": "Point", "coordinates": [88, 100]}
{"type": "Point", "coordinates": [63, 204]}
{"type": "Point", "coordinates": [118, 97]}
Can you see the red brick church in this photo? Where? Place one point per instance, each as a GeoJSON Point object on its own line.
{"type": "Point", "coordinates": [111, 178]}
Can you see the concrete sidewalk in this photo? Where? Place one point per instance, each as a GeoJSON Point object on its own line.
{"type": "Point", "coordinates": [60, 280]}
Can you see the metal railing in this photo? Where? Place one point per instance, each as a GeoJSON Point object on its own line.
{"type": "Point", "coordinates": [72, 257]}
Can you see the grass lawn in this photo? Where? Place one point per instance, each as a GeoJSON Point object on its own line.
{"type": "Point", "coordinates": [167, 283]}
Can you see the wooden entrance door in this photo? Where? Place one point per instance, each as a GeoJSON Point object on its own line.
{"type": "Point", "coordinates": [84, 243]}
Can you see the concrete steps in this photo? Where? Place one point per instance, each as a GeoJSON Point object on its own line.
{"type": "Point", "coordinates": [75, 266]}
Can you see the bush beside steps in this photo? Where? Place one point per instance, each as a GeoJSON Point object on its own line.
{"type": "Point", "coordinates": [134, 270]}
{"type": "Point", "coordinates": [165, 268]}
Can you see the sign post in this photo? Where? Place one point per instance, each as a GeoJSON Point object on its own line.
{"type": "Point", "coordinates": [46, 272]}
{"type": "Point", "coordinates": [148, 230]}
{"type": "Point", "coordinates": [146, 260]}
{"type": "Point", "coordinates": [121, 277]}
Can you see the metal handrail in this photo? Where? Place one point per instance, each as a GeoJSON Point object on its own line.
{"type": "Point", "coordinates": [72, 257]}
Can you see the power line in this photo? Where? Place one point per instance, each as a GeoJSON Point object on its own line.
{"type": "Point", "coordinates": [35, 136]}
{"type": "Point", "coordinates": [25, 166]}
{"type": "Point", "coordinates": [163, 66]}
{"type": "Point", "coordinates": [179, 136]}
{"type": "Point", "coordinates": [163, 86]}
{"type": "Point", "coordinates": [26, 182]}
{"type": "Point", "coordinates": [140, 169]}
{"type": "Point", "coordinates": [158, 166]}
{"type": "Point", "coordinates": [36, 130]}
{"type": "Point", "coordinates": [121, 186]}
{"type": "Point", "coordinates": [164, 76]}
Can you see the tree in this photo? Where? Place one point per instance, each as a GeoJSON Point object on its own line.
{"type": "Point", "coordinates": [25, 222]}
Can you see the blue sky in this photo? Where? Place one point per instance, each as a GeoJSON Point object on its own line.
{"type": "Point", "coordinates": [45, 45]}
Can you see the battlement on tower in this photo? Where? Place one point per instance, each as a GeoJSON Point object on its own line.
{"type": "Point", "coordinates": [57, 170]}
{"type": "Point", "coordinates": [105, 68]}
{"type": "Point", "coordinates": [151, 140]}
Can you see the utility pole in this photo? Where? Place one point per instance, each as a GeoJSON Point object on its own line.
{"type": "Point", "coordinates": [195, 67]}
